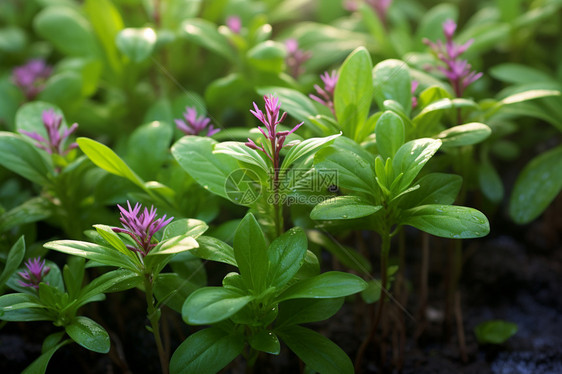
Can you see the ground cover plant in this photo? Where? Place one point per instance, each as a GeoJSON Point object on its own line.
{"type": "Point", "coordinates": [321, 186]}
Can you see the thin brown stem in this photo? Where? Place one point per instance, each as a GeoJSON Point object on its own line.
{"type": "Point", "coordinates": [460, 327]}
{"type": "Point", "coordinates": [423, 283]}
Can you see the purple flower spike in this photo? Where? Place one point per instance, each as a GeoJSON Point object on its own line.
{"type": "Point", "coordinates": [31, 77]}
{"type": "Point", "coordinates": [456, 70]}
{"type": "Point", "coordinates": [234, 24]}
{"type": "Point", "coordinates": [141, 226]}
{"type": "Point", "coordinates": [381, 8]}
{"type": "Point", "coordinates": [271, 119]}
{"type": "Point", "coordinates": [55, 142]}
{"type": "Point", "coordinates": [326, 94]}
{"type": "Point", "coordinates": [193, 125]}
{"type": "Point", "coordinates": [414, 86]}
{"type": "Point", "coordinates": [449, 28]}
{"type": "Point", "coordinates": [35, 273]}
{"type": "Point", "coordinates": [295, 58]}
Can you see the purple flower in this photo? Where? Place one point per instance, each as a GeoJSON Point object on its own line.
{"type": "Point", "coordinates": [141, 226]}
{"type": "Point", "coordinates": [31, 77]}
{"type": "Point", "coordinates": [36, 271]}
{"type": "Point", "coordinates": [457, 71]}
{"type": "Point", "coordinates": [415, 85]}
{"type": "Point", "coordinates": [234, 24]}
{"type": "Point", "coordinates": [271, 119]}
{"type": "Point", "coordinates": [194, 125]}
{"type": "Point", "coordinates": [55, 142]}
{"type": "Point", "coordinates": [381, 8]}
{"type": "Point", "coordinates": [295, 58]}
{"type": "Point", "coordinates": [327, 93]}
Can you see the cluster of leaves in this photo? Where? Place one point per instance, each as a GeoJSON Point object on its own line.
{"type": "Point", "coordinates": [404, 150]}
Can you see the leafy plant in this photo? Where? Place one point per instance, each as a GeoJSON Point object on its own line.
{"type": "Point", "coordinates": [46, 294]}
{"type": "Point", "coordinates": [137, 252]}
{"type": "Point", "coordinates": [276, 288]}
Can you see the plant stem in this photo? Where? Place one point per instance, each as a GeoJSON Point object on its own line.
{"type": "Point", "coordinates": [423, 284]}
{"type": "Point", "coordinates": [153, 315]}
{"type": "Point", "coordinates": [460, 327]}
{"type": "Point", "coordinates": [385, 249]}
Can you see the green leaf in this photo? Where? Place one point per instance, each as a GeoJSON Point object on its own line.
{"type": "Point", "coordinates": [490, 181]}
{"type": "Point", "coordinates": [376, 28]}
{"type": "Point", "coordinates": [95, 252]}
{"type": "Point", "coordinates": [73, 274]}
{"type": "Point", "coordinates": [106, 159]}
{"type": "Point", "coordinates": [15, 257]}
{"type": "Point", "coordinates": [114, 240]}
{"type": "Point", "coordinates": [353, 172]}
{"type": "Point", "coordinates": [467, 134]}
{"type": "Point", "coordinates": [187, 227]}
{"type": "Point", "coordinates": [343, 207]}
{"type": "Point", "coordinates": [428, 113]}
{"type": "Point", "coordinates": [372, 293]}
{"type": "Point", "coordinates": [206, 35]}
{"type": "Point", "coordinates": [250, 251]}
{"type": "Point", "coordinates": [353, 93]}
{"type": "Point", "coordinates": [537, 186]}
{"type": "Point", "coordinates": [305, 148]}
{"type": "Point", "coordinates": [88, 334]}
{"type": "Point", "coordinates": [107, 23]}
{"type": "Point", "coordinates": [265, 341]}
{"type": "Point", "coordinates": [286, 255]}
{"type": "Point", "coordinates": [13, 39]}
{"type": "Point", "coordinates": [195, 155]}
{"type": "Point", "coordinates": [298, 311]}
{"type": "Point", "coordinates": [41, 362]}
{"type": "Point", "coordinates": [19, 156]}
{"type": "Point", "coordinates": [528, 95]}
{"type": "Point", "coordinates": [112, 281]}
{"type": "Point", "coordinates": [317, 352]}
{"type": "Point", "coordinates": [33, 210]}
{"type": "Point", "coordinates": [241, 152]}
{"type": "Point", "coordinates": [326, 285]}
{"type": "Point", "coordinates": [391, 80]}
{"type": "Point", "coordinates": [206, 352]}
{"type": "Point", "coordinates": [63, 89]}
{"type": "Point", "coordinates": [389, 133]}
{"type": "Point", "coordinates": [22, 307]}
{"type": "Point", "coordinates": [215, 250]}
{"type": "Point", "coordinates": [51, 341]}
{"type": "Point", "coordinates": [431, 23]}
{"type": "Point", "coordinates": [495, 331]}
{"type": "Point", "coordinates": [411, 158]}
{"type": "Point", "coordinates": [172, 289]}
{"type": "Point", "coordinates": [268, 56]}
{"type": "Point", "coordinates": [148, 148]}
{"type": "Point", "coordinates": [173, 245]}
{"type": "Point", "coordinates": [210, 305]}
{"type": "Point", "coordinates": [447, 221]}
{"type": "Point", "coordinates": [67, 30]}
{"type": "Point", "coordinates": [136, 43]}
{"type": "Point", "coordinates": [435, 188]}
{"type": "Point", "coordinates": [509, 9]}
{"type": "Point", "coordinates": [516, 73]}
